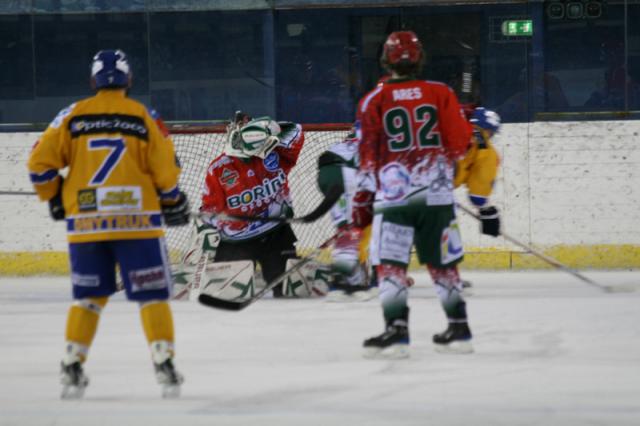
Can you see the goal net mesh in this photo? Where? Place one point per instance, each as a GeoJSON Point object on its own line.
{"type": "Point", "coordinates": [196, 147]}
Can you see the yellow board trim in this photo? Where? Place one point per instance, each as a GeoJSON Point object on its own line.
{"type": "Point", "coordinates": [34, 263]}
{"type": "Point", "coordinates": [602, 256]}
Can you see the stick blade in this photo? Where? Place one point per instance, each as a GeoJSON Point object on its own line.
{"type": "Point", "coordinates": [227, 305]}
{"type": "Point", "coordinates": [622, 288]}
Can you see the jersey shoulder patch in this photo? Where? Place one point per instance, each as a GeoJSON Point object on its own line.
{"type": "Point", "coordinates": [65, 112]}
{"type": "Point", "coordinates": [222, 160]}
{"type": "Point", "coordinates": [152, 112]}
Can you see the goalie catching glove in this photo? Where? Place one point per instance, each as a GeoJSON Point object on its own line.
{"type": "Point", "coordinates": [257, 138]}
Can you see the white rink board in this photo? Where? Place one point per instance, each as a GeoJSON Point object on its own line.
{"type": "Point", "coordinates": [549, 351]}
{"type": "Point", "coordinates": [571, 183]}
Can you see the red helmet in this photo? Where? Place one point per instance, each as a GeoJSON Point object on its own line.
{"type": "Point", "coordinates": [402, 46]}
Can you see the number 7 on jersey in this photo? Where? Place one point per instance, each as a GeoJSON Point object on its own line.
{"type": "Point", "coordinates": [116, 147]}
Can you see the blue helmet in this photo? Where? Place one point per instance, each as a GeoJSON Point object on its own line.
{"type": "Point", "coordinates": [110, 69]}
{"type": "Point", "coordinates": [486, 119]}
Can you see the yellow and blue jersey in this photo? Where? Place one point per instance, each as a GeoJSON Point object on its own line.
{"type": "Point", "coordinates": [478, 169]}
{"type": "Point", "coordinates": [120, 165]}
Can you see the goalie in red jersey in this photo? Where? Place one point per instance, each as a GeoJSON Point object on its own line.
{"type": "Point", "coordinates": [251, 179]}
{"type": "Point", "coordinates": [411, 134]}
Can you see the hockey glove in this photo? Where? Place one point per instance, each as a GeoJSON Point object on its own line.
{"type": "Point", "coordinates": [178, 212]}
{"type": "Point", "coordinates": [56, 208]}
{"type": "Point", "coordinates": [363, 208]}
{"type": "Point", "coordinates": [490, 221]}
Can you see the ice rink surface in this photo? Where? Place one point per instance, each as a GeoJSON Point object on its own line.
{"type": "Point", "coordinates": [550, 350]}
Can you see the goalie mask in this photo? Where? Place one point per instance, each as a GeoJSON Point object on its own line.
{"type": "Point", "coordinates": [254, 138]}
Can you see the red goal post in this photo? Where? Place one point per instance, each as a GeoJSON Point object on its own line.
{"type": "Point", "coordinates": [197, 145]}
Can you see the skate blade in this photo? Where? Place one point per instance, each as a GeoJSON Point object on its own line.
{"type": "Point", "coordinates": [338, 297]}
{"type": "Point", "coordinates": [456, 347]}
{"type": "Point", "coordinates": [171, 391]}
{"type": "Point", "coordinates": [72, 392]}
{"type": "Point", "coordinates": [392, 352]}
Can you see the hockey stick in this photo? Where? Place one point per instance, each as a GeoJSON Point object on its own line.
{"type": "Point", "coordinates": [237, 305]}
{"type": "Point", "coordinates": [332, 196]}
{"type": "Point", "coordinates": [551, 261]}
{"type": "Point", "coordinates": [468, 65]}
{"type": "Point", "coordinates": [17, 193]}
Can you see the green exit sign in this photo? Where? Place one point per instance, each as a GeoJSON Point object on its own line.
{"type": "Point", "coordinates": [517, 28]}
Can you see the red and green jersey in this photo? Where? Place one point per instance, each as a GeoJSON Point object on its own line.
{"type": "Point", "coordinates": [252, 186]}
{"type": "Point", "coordinates": [411, 133]}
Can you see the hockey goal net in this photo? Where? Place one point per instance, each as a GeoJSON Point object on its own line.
{"type": "Point", "coordinates": [197, 146]}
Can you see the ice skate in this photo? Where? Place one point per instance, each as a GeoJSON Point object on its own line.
{"type": "Point", "coordinates": [392, 344]}
{"type": "Point", "coordinates": [341, 290]}
{"type": "Point", "coordinates": [352, 294]}
{"type": "Point", "coordinates": [455, 339]}
{"type": "Point", "coordinates": [467, 288]}
{"type": "Point", "coordinates": [169, 378]}
{"type": "Point", "coordinates": [73, 380]}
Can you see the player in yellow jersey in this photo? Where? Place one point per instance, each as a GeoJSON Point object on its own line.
{"type": "Point", "coordinates": [122, 181]}
{"type": "Point", "coordinates": [479, 168]}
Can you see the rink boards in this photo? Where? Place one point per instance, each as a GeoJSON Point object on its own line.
{"type": "Point", "coordinates": [568, 188]}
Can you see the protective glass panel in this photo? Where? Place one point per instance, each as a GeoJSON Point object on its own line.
{"type": "Point", "coordinates": [207, 65]}
{"type": "Point", "coordinates": [65, 46]}
{"type": "Point", "coordinates": [16, 78]}
{"type": "Point", "coordinates": [584, 59]}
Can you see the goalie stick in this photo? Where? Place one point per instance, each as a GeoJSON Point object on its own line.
{"type": "Point", "coordinates": [550, 260]}
{"type": "Point", "coordinates": [237, 305]}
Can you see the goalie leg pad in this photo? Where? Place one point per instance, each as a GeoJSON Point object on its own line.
{"type": "Point", "coordinates": [229, 280]}
{"type": "Point", "coordinates": [182, 277]}
{"type": "Point", "coordinates": [312, 280]}
{"type": "Point", "coordinates": [204, 241]}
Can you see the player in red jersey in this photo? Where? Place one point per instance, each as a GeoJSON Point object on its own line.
{"type": "Point", "coordinates": [251, 179]}
{"type": "Point", "coordinates": [412, 132]}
